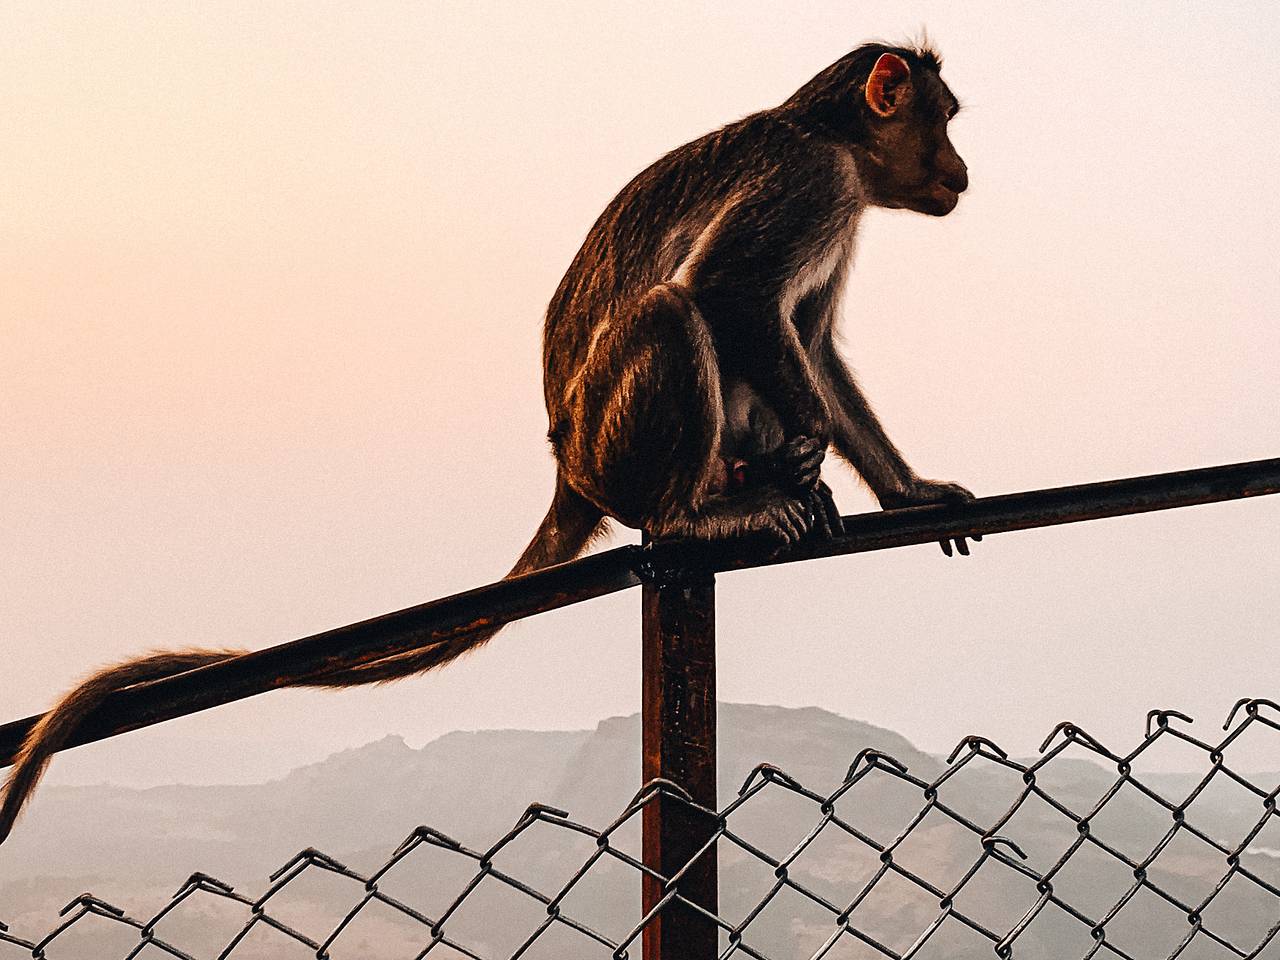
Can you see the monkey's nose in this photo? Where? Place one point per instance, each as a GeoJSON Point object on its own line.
{"type": "Point", "coordinates": [957, 181]}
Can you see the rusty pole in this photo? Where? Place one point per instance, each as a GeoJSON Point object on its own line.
{"type": "Point", "coordinates": [679, 744]}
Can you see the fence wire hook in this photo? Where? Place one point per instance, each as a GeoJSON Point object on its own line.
{"type": "Point", "coordinates": [1075, 735]}
{"type": "Point", "coordinates": [873, 758]}
{"type": "Point", "coordinates": [996, 840]}
{"type": "Point", "coordinates": [1066, 726]}
{"type": "Point", "coordinates": [87, 901]}
{"type": "Point", "coordinates": [658, 786]}
{"type": "Point", "coordinates": [1161, 719]}
{"type": "Point", "coordinates": [770, 773]}
{"type": "Point", "coordinates": [200, 880]}
{"type": "Point", "coordinates": [1251, 705]}
{"type": "Point", "coordinates": [976, 743]}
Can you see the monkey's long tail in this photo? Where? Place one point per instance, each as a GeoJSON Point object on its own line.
{"type": "Point", "coordinates": [56, 727]}
{"type": "Point", "coordinates": [570, 524]}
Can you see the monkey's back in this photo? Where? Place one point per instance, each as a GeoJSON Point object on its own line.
{"type": "Point", "coordinates": [626, 252]}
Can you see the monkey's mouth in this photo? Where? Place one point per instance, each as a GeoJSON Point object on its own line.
{"type": "Point", "coordinates": [939, 200]}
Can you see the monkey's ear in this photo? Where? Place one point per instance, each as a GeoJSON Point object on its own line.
{"type": "Point", "coordinates": [888, 85]}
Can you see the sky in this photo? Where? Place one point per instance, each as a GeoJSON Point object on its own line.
{"type": "Point", "coordinates": [270, 324]}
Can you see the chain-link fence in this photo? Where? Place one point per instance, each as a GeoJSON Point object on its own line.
{"type": "Point", "coordinates": [1078, 853]}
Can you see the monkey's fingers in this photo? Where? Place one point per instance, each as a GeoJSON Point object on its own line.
{"type": "Point", "coordinates": [778, 530]}
{"type": "Point", "coordinates": [800, 461]}
{"type": "Point", "coordinates": [813, 458]}
{"type": "Point", "coordinates": [827, 504]}
{"type": "Point", "coordinates": [793, 520]}
{"type": "Point", "coordinates": [819, 527]}
{"type": "Point", "coordinates": [808, 518]}
{"type": "Point", "coordinates": [821, 519]}
{"type": "Point", "coordinates": [798, 448]}
{"type": "Point", "coordinates": [808, 480]}
{"type": "Point", "coordinates": [946, 547]}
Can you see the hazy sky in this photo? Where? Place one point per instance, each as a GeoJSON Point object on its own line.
{"type": "Point", "coordinates": [273, 279]}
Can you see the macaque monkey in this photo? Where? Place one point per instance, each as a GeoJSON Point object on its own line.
{"type": "Point", "coordinates": [691, 378]}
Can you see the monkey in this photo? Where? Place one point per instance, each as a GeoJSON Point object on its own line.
{"type": "Point", "coordinates": [691, 377]}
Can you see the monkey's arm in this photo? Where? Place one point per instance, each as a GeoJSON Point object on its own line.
{"type": "Point", "coordinates": [859, 437]}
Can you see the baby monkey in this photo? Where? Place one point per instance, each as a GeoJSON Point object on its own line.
{"type": "Point", "coordinates": [691, 377]}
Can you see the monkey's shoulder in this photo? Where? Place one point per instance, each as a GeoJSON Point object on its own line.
{"type": "Point", "coordinates": [762, 154]}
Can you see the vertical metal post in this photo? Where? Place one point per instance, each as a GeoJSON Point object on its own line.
{"type": "Point", "coordinates": [679, 744]}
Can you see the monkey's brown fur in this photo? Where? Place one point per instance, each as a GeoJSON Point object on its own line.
{"type": "Point", "coordinates": [694, 330]}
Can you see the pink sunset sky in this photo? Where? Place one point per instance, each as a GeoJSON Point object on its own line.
{"type": "Point", "coordinates": [273, 278]}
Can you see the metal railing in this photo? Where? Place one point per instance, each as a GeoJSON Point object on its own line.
{"type": "Point", "coordinates": [681, 916]}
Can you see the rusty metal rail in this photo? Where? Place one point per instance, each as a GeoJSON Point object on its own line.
{"type": "Point", "coordinates": [629, 566]}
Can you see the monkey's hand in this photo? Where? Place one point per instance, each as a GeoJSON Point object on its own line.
{"type": "Point", "coordinates": [810, 419]}
{"type": "Point", "coordinates": [922, 492]}
{"type": "Point", "coordinates": [798, 462]}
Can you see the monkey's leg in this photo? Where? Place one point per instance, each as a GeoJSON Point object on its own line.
{"type": "Point", "coordinates": [643, 437]}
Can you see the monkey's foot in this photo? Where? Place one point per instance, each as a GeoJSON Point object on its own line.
{"type": "Point", "coordinates": [826, 515]}
{"type": "Point", "coordinates": [785, 520]}
{"type": "Point", "coordinates": [821, 516]}
{"type": "Point", "coordinates": [767, 512]}
{"type": "Point", "coordinates": [787, 516]}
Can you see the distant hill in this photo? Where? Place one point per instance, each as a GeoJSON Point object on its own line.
{"type": "Point", "coordinates": [134, 847]}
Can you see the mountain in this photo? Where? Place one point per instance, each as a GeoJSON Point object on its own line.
{"type": "Point", "coordinates": [134, 848]}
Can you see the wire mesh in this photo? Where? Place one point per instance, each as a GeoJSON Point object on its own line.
{"type": "Point", "coordinates": [1015, 863]}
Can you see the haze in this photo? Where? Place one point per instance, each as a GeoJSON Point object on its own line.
{"type": "Point", "coordinates": [270, 355]}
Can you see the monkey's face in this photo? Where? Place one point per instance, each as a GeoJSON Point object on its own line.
{"type": "Point", "coordinates": [909, 161]}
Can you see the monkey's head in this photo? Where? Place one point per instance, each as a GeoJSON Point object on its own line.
{"type": "Point", "coordinates": [890, 106]}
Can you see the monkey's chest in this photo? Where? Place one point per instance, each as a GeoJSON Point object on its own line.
{"type": "Point", "coordinates": [821, 272]}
